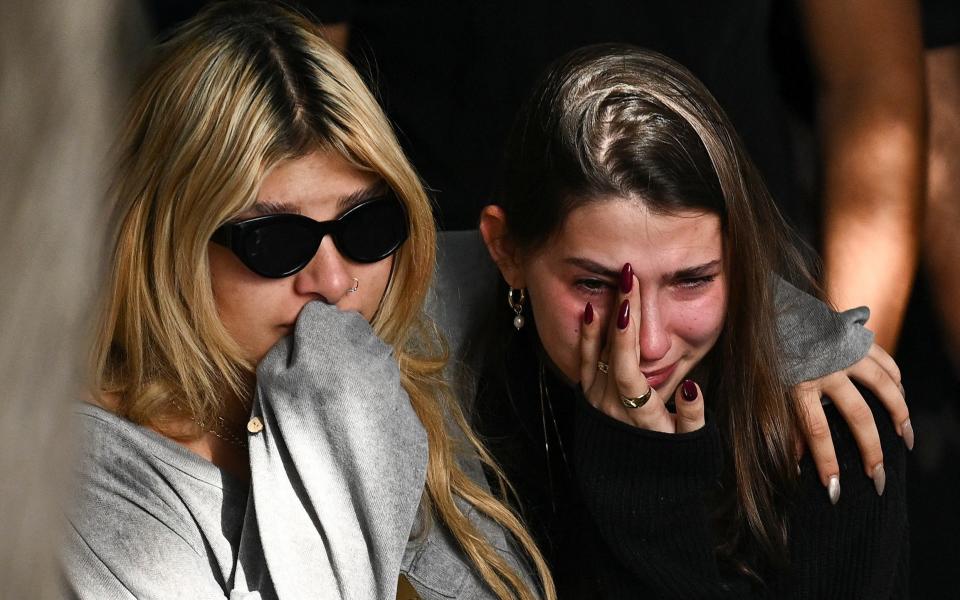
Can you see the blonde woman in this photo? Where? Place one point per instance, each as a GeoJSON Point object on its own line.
{"type": "Point", "coordinates": [263, 202]}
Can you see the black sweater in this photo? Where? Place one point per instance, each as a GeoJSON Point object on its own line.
{"type": "Point", "coordinates": [622, 512]}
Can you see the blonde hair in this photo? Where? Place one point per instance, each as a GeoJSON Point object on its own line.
{"type": "Point", "coordinates": [237, 90]}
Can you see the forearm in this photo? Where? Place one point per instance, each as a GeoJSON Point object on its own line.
{"type": "Point", "coordinates": [338, 467]}
{"type": "Point", "coordinates": [872, 193]}
{"type": "Point", "coordinates": [942, 220]}
{"type": "Point", "coordinates": [868, 62]}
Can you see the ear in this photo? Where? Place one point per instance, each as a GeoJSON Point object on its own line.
{"type": "Point", "coordinates": [493, 228]}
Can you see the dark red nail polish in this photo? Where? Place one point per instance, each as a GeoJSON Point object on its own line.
{"type": "Point", "coordinates": [689, 390]}
{"type": "Point", "coordinates": [623, 316]}
{"type": "Point", "coordinates": [626, 278]}
{"type": "Point", "coordinates": [588, 314]}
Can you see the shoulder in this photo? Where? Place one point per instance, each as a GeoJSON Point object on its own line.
{"type": "Point", "coordinates": [132, 513]}
{"type": "Point", "coordinates": [861, 543]}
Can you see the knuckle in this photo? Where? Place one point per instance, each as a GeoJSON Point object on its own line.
{"type": "Point", "coordinates": [818, 429]}
{"type": "Point", "coordinates": [873, 453]}
{"type": "Point", "coordinates": [828, 466]}
{"type": "Point", "coordinates": [693, 419]}
{"type": "Point", "coordinates": [859, 414]}
{"type": "Point", "coordinates": [624, 381]}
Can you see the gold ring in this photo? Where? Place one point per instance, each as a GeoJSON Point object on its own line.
{"type": "Point", "coordinates": [602, 367]}
{"type": "Point", "coordinates": [638, 401]}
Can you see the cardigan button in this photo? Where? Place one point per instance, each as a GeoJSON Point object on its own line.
{"type": "Point", "coordinates": [255, 425]}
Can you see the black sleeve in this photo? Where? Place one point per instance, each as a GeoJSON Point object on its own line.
{"type": "Point", "coordinates": [328, 11]}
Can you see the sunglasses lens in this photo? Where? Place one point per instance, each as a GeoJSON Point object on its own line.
{"type": "Point", "coordinates": [372, 231]}
{"type": "Point", "coordinates": [279, 248]}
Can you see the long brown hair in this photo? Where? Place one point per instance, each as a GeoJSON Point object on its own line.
{"type": "Point", "coordinates": [236, 90]}
{"type": "Point", "coordinates": [614, 121]}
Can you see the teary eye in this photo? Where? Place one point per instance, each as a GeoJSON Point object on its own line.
{"type": "Point", "coordinates": [695, 282]}
{"type": "Point", "coordinates": [592, 286]}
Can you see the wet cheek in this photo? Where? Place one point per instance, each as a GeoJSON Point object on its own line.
{"type": "Point", "coordinates": [700, 324]}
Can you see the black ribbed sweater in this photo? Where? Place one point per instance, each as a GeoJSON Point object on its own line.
{"type": "Point", "coordinates": [622, 512]}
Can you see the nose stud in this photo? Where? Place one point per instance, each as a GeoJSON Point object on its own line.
{"type": "Point", "coordinates": [356, 286]}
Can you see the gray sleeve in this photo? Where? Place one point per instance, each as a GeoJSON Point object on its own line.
{"type": "Point", "coordinates": [816, 340]}
{"type": "Point", "coordinates": [439, 570]}
{"type": "Point", "coordinates": [338, 469]}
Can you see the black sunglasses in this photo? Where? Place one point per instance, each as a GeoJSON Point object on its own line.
{"type": "Point", "coordinates": [280, 245]}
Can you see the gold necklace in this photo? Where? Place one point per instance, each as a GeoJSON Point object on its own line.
{"type": "Point", "coordinates": [227, 435]}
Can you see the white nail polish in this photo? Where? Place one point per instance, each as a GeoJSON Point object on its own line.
{"type": "Point", "coordinates": [833, 489]}
{"type": "Point", "coordinates": [879, 479]}
{"type": "Point", "coordinates": [907, 432]}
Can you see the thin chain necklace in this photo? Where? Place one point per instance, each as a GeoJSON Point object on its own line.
{"type": "Point", "coordinates": [224, 432]}
{"type": "Point", "coordinates": [547, 404]}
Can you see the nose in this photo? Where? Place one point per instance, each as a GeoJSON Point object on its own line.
{"type": "Point", "coordinates": [326, 275]}
{"type": "Point", "coordinates": [654, 336]}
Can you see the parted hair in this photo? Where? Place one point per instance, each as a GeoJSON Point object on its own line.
{"type": "Point", "coordinates": [615, 121]}
{"type": "Point", "coordinates": [236, 90]}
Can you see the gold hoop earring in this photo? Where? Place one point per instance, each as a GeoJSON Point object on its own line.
{"type": "Point", "coordinates": [515, 298]}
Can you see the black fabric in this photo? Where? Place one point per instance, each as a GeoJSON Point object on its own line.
{"type": "Point", "coordinates": [626, 513]}
{"type": "Point", "coordinates": [452, 76]}
{"type": "Point", "coordinates": [941, 23]}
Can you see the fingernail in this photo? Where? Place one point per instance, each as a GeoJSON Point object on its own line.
{"type": "Point", "coordinates": [588, 314]}
{"type": "Point", "coordinates": [626, 278]}
{"type": "Point", "coordinates": [833, 489]}
{"type": "Point", "coordinates": [623, 316]}
{"type": "Point", "coordinates": [879, 479]}
{"type": "Point", "coordinates": [689, 390]}
{"type": "Point", "coordinates": [907, 430]}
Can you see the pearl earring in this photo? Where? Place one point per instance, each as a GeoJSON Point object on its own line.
{"type": "Point", "coordinates": [515, 298]}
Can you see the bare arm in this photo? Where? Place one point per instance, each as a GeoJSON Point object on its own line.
{"type": "Point", "coordinates": [868, 58]}
{"type": "Point", "coordinates": [941, 246]}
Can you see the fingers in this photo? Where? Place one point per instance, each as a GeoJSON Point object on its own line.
{"type": "Point", "coordinates": [856, 412]}
{"type": "Point", "coordinates": [817, 433]}
{"type": "Point", "coordinates": [886, 361]}
{"type": "Point", "coordinates": [689, 401]}
{"type": "Point", "coordinates": [589, 348]}
{"type": "Point", "coordinates": [631, 399]}
{"type": "Point", "coordinates": [880, 374]}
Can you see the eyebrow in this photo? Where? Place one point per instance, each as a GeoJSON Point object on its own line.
{"type": "Point", "coordinates": [344, 203]}
{"type": "Point", "coordinates": [697, 271]}
{"type": "Point", "coordinates": [592, 266]}
{"type": "Point", "coordinates": [685, 273]}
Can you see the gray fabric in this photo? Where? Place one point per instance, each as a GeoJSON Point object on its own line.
{"type": "Point", "coordinates": [816, 340]}
{"type": "Point", "coordinates": [465, 283]}
{"type": "Point", "coordinates": [337, 475]}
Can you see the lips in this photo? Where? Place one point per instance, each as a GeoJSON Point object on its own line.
{"type": "Point", "coordinates": [656, 378]}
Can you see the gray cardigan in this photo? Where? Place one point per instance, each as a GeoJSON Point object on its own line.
{"type": "Point", "coordinates": [337, 471]}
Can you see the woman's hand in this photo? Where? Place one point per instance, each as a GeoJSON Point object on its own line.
{"type": "Point", "coordinates": [610, 373]}
{"type": "Point", "coordinates": [880, 374]}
